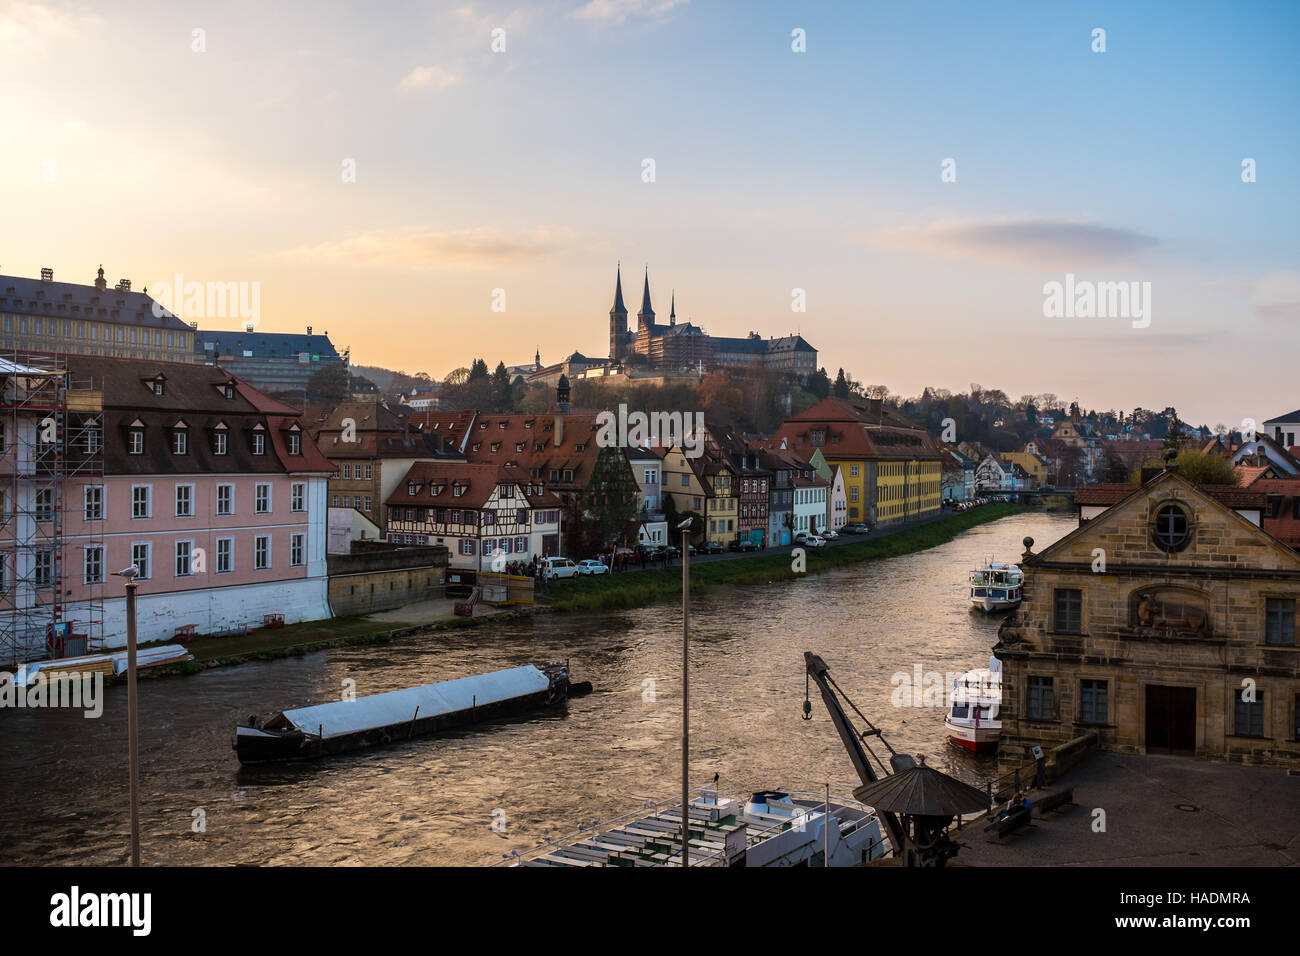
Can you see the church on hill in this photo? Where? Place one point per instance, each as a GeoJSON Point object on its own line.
{"type": "Point", "coordinates": [685, 345]}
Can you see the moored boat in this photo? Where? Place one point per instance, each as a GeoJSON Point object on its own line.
{"type": "Point", "coordinates": [972, 721]}
{"type": "Point", "coordinates": [305, 733]}
{"type": "Point", "coordinates": [996, 586]}
{"type": "Point", "coordinates": [770, 828]}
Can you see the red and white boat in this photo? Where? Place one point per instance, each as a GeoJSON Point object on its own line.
{"type": "Point", "coordinates": [973, 720]}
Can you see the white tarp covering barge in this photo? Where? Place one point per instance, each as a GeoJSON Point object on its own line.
{"type": "Point", "coordinates": [433, 700]}
{"type": "Point", "coordinates": [305, 733]}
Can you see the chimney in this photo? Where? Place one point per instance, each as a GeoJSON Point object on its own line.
{"type": "Point", "coordinates": [47, 275]}
{"type": "Point", "coordinates": [876, 407]}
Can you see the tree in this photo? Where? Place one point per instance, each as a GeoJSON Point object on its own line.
{"type": "Point", "coordinates": [819, 383]}
{"type": "Point", "coordinates": [1206, 469]}
{"type": "Point", "coordinates": [330, 383]}
{"type": "Point", "coordinates": [841, 387]}
{"type": "Point", "coordinates": [478, 370]}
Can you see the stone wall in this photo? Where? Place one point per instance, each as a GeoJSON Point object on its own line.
{"type": "Point", "coordinates": [378, 579]}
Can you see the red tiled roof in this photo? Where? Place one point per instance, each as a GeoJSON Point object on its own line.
{"type": "Point", "coordinates": [1230, 495]}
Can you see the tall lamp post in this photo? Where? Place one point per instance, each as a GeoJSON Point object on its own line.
{"type": "Point", "coordinates": [685, 529]}
{"type": "Point", "coordinates": [132, 719]}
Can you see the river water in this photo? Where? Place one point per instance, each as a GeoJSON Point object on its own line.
{"type": "Point", "coordinates": [63, 780]}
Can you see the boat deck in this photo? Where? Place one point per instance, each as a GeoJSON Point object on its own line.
{"type": "Point", "coordinates": [654, 838]}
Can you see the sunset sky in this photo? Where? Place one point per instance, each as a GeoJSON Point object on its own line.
{"type": "Point", "coordinates": [774, 170]}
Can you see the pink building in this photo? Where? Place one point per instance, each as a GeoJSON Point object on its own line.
{"type": "Point", "coordinates": [210, 488]}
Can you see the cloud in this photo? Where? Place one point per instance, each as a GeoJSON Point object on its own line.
{"type": "Point", "coordinates": [419, 248]}
{"type": "Point", "coordinates": [1277, 298]}
{"type": "Point", "coordinates": [1016, 243]}
{"type": "Point", "coordinates": [616, 11]}
{"type": "Point", "coordinates": [429, 77]}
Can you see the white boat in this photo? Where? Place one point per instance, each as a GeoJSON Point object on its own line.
{"type": "Point", "coordinates": [996, 586]}
{"type": "Point", "coordinates": [770, 828]}
{"type": "Point", "coordinates": [973, 709]}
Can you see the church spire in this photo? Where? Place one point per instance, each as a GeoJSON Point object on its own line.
{"type": "Point", "coordinates": [672, 314]}
{"type": "Point", "coordinates": [619, 307]}
{"type": "Point", "coordinates": [647, 314]}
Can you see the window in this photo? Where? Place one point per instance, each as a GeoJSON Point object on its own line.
{"type": "Point", "coordinates": [297, 550]}
{"type": "Point", "coordinates": [1279, 621]}
{"type": "Point", "coordinates": [93, 500]}
{"type": "Point", "coordinates": [853, 493]}
{"type": "Point", "coordinates": [295, 443]}
{"type": "Point", "coordinates": [262, 499]}
{"type": "Point", "coordinates": [136, 441]}
{"type": "Point", "coordinates": [297, 497]}
{"type": "Point", "coordinates": [219, 446]}
{"type": "Point", "coordinates": [262, 552]}
{"type": "Point", "coordinates": [180, 442]}
{"type": "Point", "coordinates": [94, 564]}
{"type": "Point", "coordinates": [686, 481]}
{"type": "Point", "coordinates": [1068, 618]}
{"type": "Point", "coordinates": [141, 501]}
{"type": "Point", "coordinates": [1248, 716]}
{"type": "Point", "coordinates": [225, 555]}
{"type": "Point", "coordinates": [367, 472]}
{"type": "Point", "coordinates": [92, 440]}
{"type": "Point", "coordinates": [185, 501]}
{"type": "Point", "coordinates": [43, 569]}
{"type": "Point", "coordinates": [184, 552]}
{"type": "Point", "coordinates": [853, 471]}
{"type": "Point", "coordinates": [44, 504]}
{"type": "Point", "coordinates": [1040, 704]}
{"type": "Point", "coordinates": [1170, 529]}
{"type": "Point", "coordinates": [157, 388]}
{"type": "Point", "coordinates": [334, 501]}
{"type": "Point", "coordinates": [259, 443]}
{"type": "Point", "coordinates": [521, 545]}
{"type": "Point", "coordinates": [466, 546]}
{"type": "Point", "coordinates": [368, 502]}
{"type": "Point", "coordinates": [140, 558]}
{"type": "Point", "coordinates": [1093, 702]}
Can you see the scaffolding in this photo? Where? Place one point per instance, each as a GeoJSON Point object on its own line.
{"type": "Point", "coordinates": [53, 500]}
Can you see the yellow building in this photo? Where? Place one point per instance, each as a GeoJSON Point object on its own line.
{"type": "Point", "coordinates": [41, 315]}
{"type": "Point", "coordinates": [893, 470]}
{"type": "Point", "coordinates": [1034, 466]}
{"type": "Point", "coordinates": [706, 486]}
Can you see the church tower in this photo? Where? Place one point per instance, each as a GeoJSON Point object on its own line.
{"type": "Point", "coordinates": [646, 316]}
{"type": "Point", "coordinates": [618, 335]}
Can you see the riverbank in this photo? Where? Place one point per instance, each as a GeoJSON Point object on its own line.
{"type": "Point", "coordinates": [637, 589]}
{"type": "Point", "coordinates": [610, 592]}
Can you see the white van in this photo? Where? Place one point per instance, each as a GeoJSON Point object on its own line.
{"type": "Point", "coordinates": [553, 568]}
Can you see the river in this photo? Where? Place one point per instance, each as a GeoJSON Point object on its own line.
{"type": "Point", "coordinates": [63, 780]}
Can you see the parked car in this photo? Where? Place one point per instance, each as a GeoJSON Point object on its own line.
{"type": "Point", "coordinates": [714, 547]}
{"type": "Point", "coordinates": [855, 527]}
{"type": "Point", "coordinates": [669, 552]}
{"type": "Point", "coordinates": [829, 535]}
{"type": "Point", "coordinates": [748, 546]}
{"type": "Point", "coordinates": [555, 568]}
{"type": "Point", "coordinates": [592, 566]}
{"type": "Point", "coordinates": [801, 536]}
{"type": "Point", "coordinates": [814, 541]}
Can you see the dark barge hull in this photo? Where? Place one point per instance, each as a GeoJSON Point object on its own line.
{"type": "Point", "coordinates": [279, 740]}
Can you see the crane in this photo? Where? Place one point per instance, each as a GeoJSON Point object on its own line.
{"type": "Point", "coordinates": [917, 811]}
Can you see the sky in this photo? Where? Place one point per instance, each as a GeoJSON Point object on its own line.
{"type": "Point", "coordinates": [921, 171]}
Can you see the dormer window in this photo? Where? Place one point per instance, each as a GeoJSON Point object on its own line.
{"type": "Point", "coordinates": [295, 440]}
{"type": "Point", "coordinates": [496, 446]}
{"type": "Point", "coordinates": [180, 439]}
{"type": "Point", "coordinates": [259, 440]}
{"type": "Point", "coordinates": [135, 438]}
{"type": "Point", "coordinates": [519, 446]}
{"type": "Point", "coordinates": [157, 384]}
{"type": "Point", "coordinates": [457, 489]}
{"type": "Point", "coordinates": [502, 425]}
{"type": "Point", "coordinates": [228, 390]}
{"type": "Point", "coordinates": [412, 488]}
{"type": "Point", "coordinates": [482, 424]}
{"type": "Point", "coordinates": [435, 489]}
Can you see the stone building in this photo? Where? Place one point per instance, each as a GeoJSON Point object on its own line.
{"type": "Point", "coordinates": [1164, 623]}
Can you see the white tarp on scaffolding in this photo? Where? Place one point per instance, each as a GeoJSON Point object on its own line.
{"type": "Point", "coordinates": [394, 707]}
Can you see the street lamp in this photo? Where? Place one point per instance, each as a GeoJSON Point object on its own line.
{"type": "Point", "coordinates": [132, 722]}
{"type": "Point", "coordinates": [685, 529]}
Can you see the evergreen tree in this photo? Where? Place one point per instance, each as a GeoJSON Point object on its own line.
{"type": "Point", "coordinates": [841, 387]}
{"type": "Point", "coordinates": [819, 384]}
